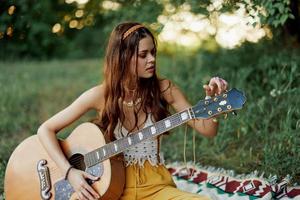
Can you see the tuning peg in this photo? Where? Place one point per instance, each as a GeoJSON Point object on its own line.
{"type": "Point", "coordinates": [234, 113]}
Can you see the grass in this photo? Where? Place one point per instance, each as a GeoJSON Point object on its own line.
{"type": "Point", "coordinates": [263, 137]}
{"type": "Point", "coordinates": [34, 91]}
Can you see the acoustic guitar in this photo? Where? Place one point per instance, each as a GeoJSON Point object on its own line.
{"type": "Point", "coordinates": [31, 174]}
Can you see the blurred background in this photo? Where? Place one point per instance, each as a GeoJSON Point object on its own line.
{"type": "Point", "coordinates": [52, 51]}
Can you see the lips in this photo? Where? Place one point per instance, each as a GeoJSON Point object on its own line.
{"type": "Point", "coordinates": [152, 68]}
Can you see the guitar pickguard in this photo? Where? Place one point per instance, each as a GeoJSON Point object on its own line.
{"type": "Point", "coordinates": [63, 189]}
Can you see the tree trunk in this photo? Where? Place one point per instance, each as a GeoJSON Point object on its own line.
{"type": "Point", "coordinates": [292, 26]}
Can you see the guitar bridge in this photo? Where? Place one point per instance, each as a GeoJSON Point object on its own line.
{"type": "Point", "coordinates": [45, 182]}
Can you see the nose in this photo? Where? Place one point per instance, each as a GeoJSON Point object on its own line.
{"type": "Point", "coordinates": [151, 58]}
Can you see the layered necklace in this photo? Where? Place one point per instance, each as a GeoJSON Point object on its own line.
{"type": "Point", "coordinates": [132, 103]}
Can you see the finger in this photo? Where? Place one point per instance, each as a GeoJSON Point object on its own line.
{"type": "Point", "coordinates": [226, 84]}
{"type": "Point", "coordinates": [86, 194]}
{"type": "Point", "coordinates": [88, 187]}
{"type": "Point", "coordinates": [89, 176]}
{"type": "Point", "coordinates": [214, 85]}
{"type": "Point", "coordinates": [207, 89]}
{"type": "Point", "coordinates": [212, 80]}
{"type": "Point", "coordinates": [223, 85]}
{"type": "Point", "coordinates": [81, 196]}
{"type": "Point", "coordinates": [212, 89]}
{"type": "Point", "coordinates": [219, 84]}
{"type": "Point", "coordinates": [92, 191]}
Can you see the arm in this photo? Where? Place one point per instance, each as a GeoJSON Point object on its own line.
{"type": "Point", "coordinates": [177, 100]}
{"type": "Point", "coordinates": [91, 99]}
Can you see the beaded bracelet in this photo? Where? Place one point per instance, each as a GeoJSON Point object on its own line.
{"type": "Point", "coordinates": [68, 171]}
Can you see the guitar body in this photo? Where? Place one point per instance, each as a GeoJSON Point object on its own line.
{"type": "Point", "coordinates": [32, 175]}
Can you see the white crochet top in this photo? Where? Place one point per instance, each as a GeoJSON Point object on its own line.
{"type": "Point", "coordinates": [139, 153]}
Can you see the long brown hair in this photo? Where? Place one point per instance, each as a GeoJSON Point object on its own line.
{"type": "Point", "coordinates": [117, 75]}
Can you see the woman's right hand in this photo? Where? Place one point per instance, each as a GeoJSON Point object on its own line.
{"type": "Point", "coordinates": [82, 188]}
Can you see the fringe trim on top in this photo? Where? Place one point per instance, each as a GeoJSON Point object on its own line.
{"type": "Point", "coordinates": [140, 160]}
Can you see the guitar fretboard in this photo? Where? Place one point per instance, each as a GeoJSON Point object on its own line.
{"type": "Point", "coordinates": [94, 157]}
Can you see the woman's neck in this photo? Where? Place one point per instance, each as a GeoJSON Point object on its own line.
{"type": "Point", "coordinates": [130, 95]}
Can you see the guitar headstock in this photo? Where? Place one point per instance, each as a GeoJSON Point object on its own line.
{"type": "Point", "coordinates": [223, 103]}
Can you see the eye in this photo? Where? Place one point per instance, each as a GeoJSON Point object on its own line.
{"type": "Point", "coordinates": [142, 55]}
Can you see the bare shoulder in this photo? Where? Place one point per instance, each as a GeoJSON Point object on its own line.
{"type": "Point", "coordinates": [166, 88]}
{"type": "Point", "coordinates": [94, 97]}
{"type": "Point", "coordinates": [173, 95]}
{"type": "Point", "coordinates": [165, 85]}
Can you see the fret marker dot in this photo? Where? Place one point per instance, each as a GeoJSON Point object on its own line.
{"type": "Point", "coordinates": [140, 135]}
{"type": "Point", "coordinates": [184, 116]}
{"type": "Point", "coordinates": [116, 147]}
{"type": "Point", "coordinates": [129, 141]}
{"type": "Point", "coordinates": [98, 156]}
{"type": "Point", "coordinates": [167, 123]}
{"type": "Point", "coordinates": [153, 130]}
{"type": "Point", "coordinates": [104, 152]}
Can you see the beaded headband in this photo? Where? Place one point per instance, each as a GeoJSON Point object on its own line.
{"type": "Point", "coordinates": [130, 30]}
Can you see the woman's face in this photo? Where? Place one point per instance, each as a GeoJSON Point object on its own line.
{"type": "Point", "coordinates": [145, 59]}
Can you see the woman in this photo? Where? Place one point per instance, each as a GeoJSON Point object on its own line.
{"type": "Point", "coordinates": [131, 97]}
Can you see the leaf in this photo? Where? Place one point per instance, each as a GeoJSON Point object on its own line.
{"type": "Point", "coordinates": [291, 16]}
{"type": "Point", "coordinates": [271, 11]}
{"type": "Point", "coordinates": [283, 18]}
{"type": "Point", "coordinates": [280, 7]}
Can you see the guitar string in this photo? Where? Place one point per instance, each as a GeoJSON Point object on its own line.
{"type": "Point", "coordinates": [172, 118]}
{"type": "Point", "coordinates": [76, 161]}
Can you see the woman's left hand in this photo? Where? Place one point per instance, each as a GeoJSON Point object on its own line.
{"type": "Point", "coordinates": [215, 86]}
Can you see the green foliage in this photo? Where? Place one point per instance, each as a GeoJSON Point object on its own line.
{"type": "Point", "coordinates": [31, 23]}
{"type": "Point", "coordinates": [276, 12]}
{"type": "Point", "coordinates": [33, 91]}
{"type": "Point", "coordinates": [264, 136]}
{"type": "Point", "coordinates": [196, 6]}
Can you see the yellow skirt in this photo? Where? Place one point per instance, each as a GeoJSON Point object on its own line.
{"type": "Point", "coordinates": [153, 183]}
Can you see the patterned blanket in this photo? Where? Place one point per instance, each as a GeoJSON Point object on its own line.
{"type": "Point", "coordinates": [220, 184]}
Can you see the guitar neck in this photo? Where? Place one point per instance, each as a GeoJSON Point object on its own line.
{"type": "Point", "coordinates": [226, 102]}
{"type": "Point", "coordinates": [94, 157]}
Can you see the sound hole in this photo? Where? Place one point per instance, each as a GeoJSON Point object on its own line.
{"type": "Point", "coordinates": [77, 160]}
